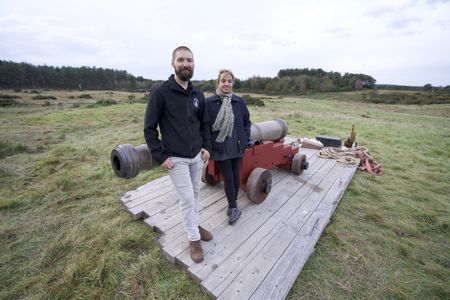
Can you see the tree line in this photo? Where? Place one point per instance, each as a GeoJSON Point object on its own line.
{"type": "Point", "coordinates": [299, 81]}
{"type": "Point", "coordinates": [288, 81]}
{"type": "Point", "coordinates": [24, 75]}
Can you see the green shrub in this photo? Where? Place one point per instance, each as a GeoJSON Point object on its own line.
{"type": "Point", "coordinates": [406, 98]}
{"type": "Point", "coordinates": [6, 96]}
{"type": "Point", "coordinates": [8, 149]}
{"type": "Point", "coordinates": [85, 96]}
{"type": "Point", "coordinates": [106, 102]}
{"type": "Point", "coordinates": [140, 100]}
{"type": "Point", "coordinates": [249, 100]}
{"type": "Point", "coordinates": [8, 203]}
{"type": "Point", "coordinates": [7, 102]}
{"type": "Point", "coordinates": [34, 92]}
{"type": "Point", "coordinates": [102, 102]}
{"type": "Point", "coordinates": [43, 97]}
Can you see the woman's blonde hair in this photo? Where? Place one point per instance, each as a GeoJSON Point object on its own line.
{"type": "Point", "coordinates": [225, 71]}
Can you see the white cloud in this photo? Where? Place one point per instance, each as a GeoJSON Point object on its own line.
{"type": "Point", "coordinates": [387, 40]}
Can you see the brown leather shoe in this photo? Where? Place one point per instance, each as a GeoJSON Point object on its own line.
{"type": "Point", "coordinates": [196, 251]}
{"type": "Point", "coordinates": [205, 235]}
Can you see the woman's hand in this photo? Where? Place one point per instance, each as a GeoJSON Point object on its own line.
{"type": "Point", "coordinates": [204, 154]}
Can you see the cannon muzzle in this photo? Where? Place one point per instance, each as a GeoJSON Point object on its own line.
{"type": "Point", "coordinates": [127, 161]}
{"type": "Point", "coordinates": [273, 130]}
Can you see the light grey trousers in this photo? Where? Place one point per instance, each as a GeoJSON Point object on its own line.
{"type": "Point", "coordinates": [186, 177]}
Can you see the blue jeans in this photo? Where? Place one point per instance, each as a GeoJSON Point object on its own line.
{"type": "Point", "coordinates": [186, 177]}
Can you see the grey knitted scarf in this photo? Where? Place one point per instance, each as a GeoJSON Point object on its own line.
{"type": "Point", "coordinates": [225, 118]}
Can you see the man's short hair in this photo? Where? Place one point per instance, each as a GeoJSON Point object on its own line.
{"type": "Point", "coordinates": [174, 53]}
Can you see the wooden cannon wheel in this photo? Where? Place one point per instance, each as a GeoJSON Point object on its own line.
{"type": "Point", "coordinates": [259, 184]}
{"type": "Point", "coordinates": [299, 164]}
{"type": "Point", "coordinates": [206, 177]}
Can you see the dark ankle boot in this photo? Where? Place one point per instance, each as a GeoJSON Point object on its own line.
{"type": "Point", "coordinates": [235, 213]}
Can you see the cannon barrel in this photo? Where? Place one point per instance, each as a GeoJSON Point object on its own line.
{"type": "Point", "coordinates": [127, 161]}
{"type": "Point", "coordinates": [273, 130]}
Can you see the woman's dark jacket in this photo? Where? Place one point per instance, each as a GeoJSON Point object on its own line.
{"type": "Point", "coordinates": [235, 145]}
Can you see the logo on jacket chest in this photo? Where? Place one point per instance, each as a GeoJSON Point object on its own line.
{"type": "Point", "coordinates": [195, 102]}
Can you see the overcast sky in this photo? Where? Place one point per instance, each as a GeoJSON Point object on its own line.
{"type": "Point", "coordinates": [397, 42]}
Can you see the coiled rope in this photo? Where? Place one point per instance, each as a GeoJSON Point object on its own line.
{"type": "Point", "coordinates": [347, 157]}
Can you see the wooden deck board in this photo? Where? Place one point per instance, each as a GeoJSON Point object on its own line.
{"type": "Point", "coordinates": [260, 256]}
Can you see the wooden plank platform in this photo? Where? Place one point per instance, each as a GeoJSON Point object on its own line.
{"type": "Point", "coordinates": [261, 255]}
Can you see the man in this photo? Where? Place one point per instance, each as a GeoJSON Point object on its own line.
{"type": "Point", "coordinates": [180, 111]}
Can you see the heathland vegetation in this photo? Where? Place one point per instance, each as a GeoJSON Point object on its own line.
{"type": "Point", "coordinates": [64, 234]}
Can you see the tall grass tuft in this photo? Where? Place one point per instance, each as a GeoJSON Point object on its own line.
{"type": "Point", "coordinates": [8, 149]}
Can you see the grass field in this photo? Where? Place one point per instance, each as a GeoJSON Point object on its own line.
{"type": "Point", "coordinates": [64, 235]}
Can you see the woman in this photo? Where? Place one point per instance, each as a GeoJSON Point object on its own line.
{"type": "Point", "coordinates": [230, 133]}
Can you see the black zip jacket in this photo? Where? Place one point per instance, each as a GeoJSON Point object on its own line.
{"type": "Point", "coordinates": [182, 118]}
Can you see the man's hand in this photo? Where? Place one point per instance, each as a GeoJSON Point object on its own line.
{"type": "Point", "coordinates": [204, 154]}
{"type": "Point", "coordinates": [167, 164]}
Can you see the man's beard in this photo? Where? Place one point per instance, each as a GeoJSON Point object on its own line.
{"type": "Point", "coordinates": [184, 74]}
